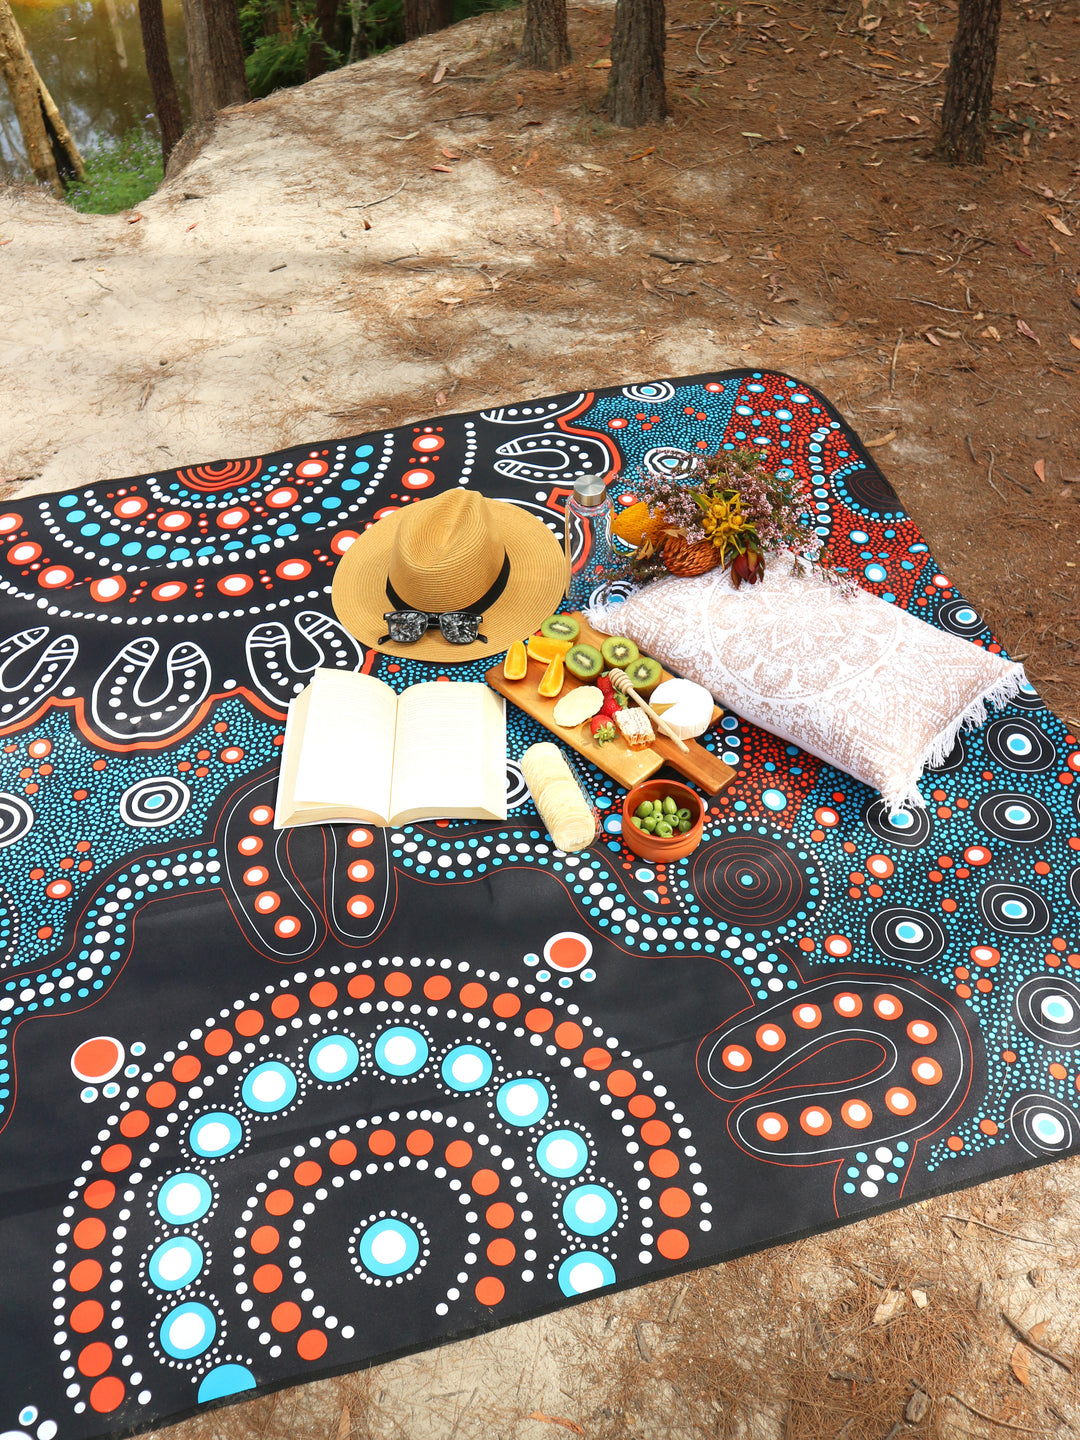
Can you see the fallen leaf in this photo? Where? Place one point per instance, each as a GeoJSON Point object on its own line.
{"type": "Point", "coordinates": [890, 1304]}
{"type": "Point", "coordinates": [585, 165]}
{"type": "Point", "coordinates": [344, 1428]}
{"type": "Point", "coordinates": [992, 333]}
{"type": "Point", "coordinates": [134, 219]}
{"type": "Point", "coordinates": [440, 71]}
{"type": "Point", "coordinates": [881, 440]}
{"type": "Point", "coordinates": [600, 65]}
{"type": "Point", "coordinates": [1055, 247]}
{"type": "Point", "coordinates": [1020, 1364]}
{"type": "Point", "coordinates": [1040, 470]}
{"type": "Point", "coordinates": [556, 215]}
{"type": "Point", "coordinates": [557, 1420]}
{"type": "Point", "coordinates": [1022, 247]}
{"type": "Point", "coordinates": [450, 154]}
{"type": "Point", "coordinates": [190, 227]}
{"type": "Point", "coordinates": [367, 223]}
{"type": "Point", "coordinates": [1075, 340]}
{"type": "Point", "coordinates": [444, 169]}
{"type": "Point", "coordinates": [640, 154]}
{"type": "Point", "coordinates": [520, 101]}
{"type": "Point", "coordinates": [932, 338]}
{"type": "Point", "coordinates": [1025, 329]}
{"type": "Point", "coordinates": [441, 398]}
{"type": "Point", "coordinates": [1059, 225]}
{"type": "Point", "coordinates": [751, 135]}
{"type": "Point", "coordinates": [913, 118]}
{"type": "Point", "coordinates": [450, 300]}
{"type": "Point", "coordinates": [920, 1298]}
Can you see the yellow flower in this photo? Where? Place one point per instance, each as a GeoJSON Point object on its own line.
{"type": "Point", "coordinates": [724, 523]}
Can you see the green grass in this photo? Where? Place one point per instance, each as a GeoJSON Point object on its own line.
{"type": "Point", "coordinates": [119, 173]}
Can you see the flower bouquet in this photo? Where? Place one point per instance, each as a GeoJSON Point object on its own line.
{"type": "Point", "coordinates": [726, 510]}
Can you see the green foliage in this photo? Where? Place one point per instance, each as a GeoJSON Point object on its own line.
{"type": "Point", "coordinates": [119, 174]}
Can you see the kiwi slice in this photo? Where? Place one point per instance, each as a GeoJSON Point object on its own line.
{"type": "Point", "coordinates": [644, 674]}
{"type": "Point", "coordinates": [584, 661]}
{"type": "Point", "coordinates": [618, 650]}
{"type": "Point", "coordinates": [560, 627]}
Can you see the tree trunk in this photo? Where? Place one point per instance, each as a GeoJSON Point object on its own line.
{"type": "Point", "coordinates": [51, 151]}
{"type": "Point", "coordinates": [159, 70]}
{"type": "Point", "coordinates": [318, 59]}
{"type": "Point", "coordinates": [635, 93]}
{"type": "Point", "coordinates": [545, 43]}
{"type": "Point", "coordinates": [969, 84]}
{"type": "Point", "coordinates": [215, 57]}
{"type": "Point", "coordinates": [422, 17]}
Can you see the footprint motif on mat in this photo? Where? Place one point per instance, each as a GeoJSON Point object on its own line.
{"type": "Point", "coordinates": [24, 685]}
{"type": "Point", "coordinates": [128, 704]}
{"type": "Point", "coordinates": [274, 667]}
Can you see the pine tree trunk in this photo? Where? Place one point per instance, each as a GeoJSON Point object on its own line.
{"type": "Point", "coordinates": [215, 57]}
{"type": "Point", "coordinates": [159, 70]}
{"type": "Point", "coordinates": [423, 17]}
{"type": "Point", "coordinates": [51, 151]}
{"type": "Point", "coordinates": [635, 93]}
{"type": "Point", "coordinates": [318, 59]}
{"type": "Point", "coordinates": [969, 84]}
{"type": "Point", "coordinates": [545, 43]}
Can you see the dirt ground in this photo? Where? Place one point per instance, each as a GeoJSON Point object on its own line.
{"type": "Point", "coordinates": [438, 230]}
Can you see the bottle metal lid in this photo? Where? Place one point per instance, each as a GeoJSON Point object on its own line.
{"type": "Point", "coordinates": [590, 491]}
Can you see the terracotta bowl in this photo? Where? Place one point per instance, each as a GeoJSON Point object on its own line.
{"type": "Point", "coordinates": [650, 847]}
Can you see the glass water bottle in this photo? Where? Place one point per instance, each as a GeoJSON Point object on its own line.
{"type": "Point", "coordinates": [588, 538]}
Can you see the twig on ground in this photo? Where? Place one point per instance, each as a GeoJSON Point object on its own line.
{"type": "Point", "coordinates": [711, 26]}
{"type": "Point", "coordinates": [970, 1219]}
{"type": "Point", "coordinates": [990, 477]}
{"type": "Point", "coordinates": [991, 1419]}
{"type": "Point", "coordinates": [971, 449]}
{"type": "Point", "coordinates": [367, 204]}
{"type": "Point", "coordinates": [1033, 1344]}
{"type": "Point", "coordinates": [892, 367]}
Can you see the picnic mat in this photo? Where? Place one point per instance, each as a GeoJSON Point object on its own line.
{"type": "Point", "coordinates": [279, 1104]}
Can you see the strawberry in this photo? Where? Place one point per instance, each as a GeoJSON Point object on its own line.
{"type": "Point", "coordinates": [603, 731]}
{"type": "Point", "coordinates": [603, 683]}
{"type": "Point", "coordinates": [610, 705]}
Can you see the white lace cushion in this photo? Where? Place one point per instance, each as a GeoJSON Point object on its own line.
{"type": "Point", "coordinates": [855, 681]}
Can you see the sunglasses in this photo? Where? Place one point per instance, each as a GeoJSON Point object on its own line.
{"type": "Point", "coordinates": [459, 627]}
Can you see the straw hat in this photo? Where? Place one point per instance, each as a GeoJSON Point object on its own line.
{"type": "Point", "coordinates": [456, 551]}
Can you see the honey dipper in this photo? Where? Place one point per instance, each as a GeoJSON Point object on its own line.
{"type": "Point", "coordinates": [621, 682]}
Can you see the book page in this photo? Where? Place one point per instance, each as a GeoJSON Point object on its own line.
{"type": "Point", "coordinates": [346, 756]}
{"type": "Point", "coordinates": [450, 760]}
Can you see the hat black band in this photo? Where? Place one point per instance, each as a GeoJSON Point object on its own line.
{"type": "Point", "coordinates": [476, 608]}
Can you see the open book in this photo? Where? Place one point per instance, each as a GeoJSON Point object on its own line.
{"type": "Point", "coordinates": [356, 750]}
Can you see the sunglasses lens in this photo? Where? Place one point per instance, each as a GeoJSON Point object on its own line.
{"type": "Point", "coordinates": [460, 627]}
{"type": "Point", "coordinates": [406, 626]}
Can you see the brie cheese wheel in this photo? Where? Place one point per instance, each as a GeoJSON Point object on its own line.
{"type": "Point", "coordinates": [686, 706]}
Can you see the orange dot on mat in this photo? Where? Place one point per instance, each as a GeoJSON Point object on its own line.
{"type": "Point", "coordinates": [279, 1202]}
{"type": "Point", "coordinates": [596, 1059]}
{"type": "Point", "coordinates": [672, 1244]}
{"type": "Point", "coordinates": [382, 1142]}
{"type": "Point", "coordinates": [621, 1083]}
{"type": "Point", "coordinates": [89, 1233]}
{"type": "Point", "coordinates": [473, 995]}
{"type": "Point", "coordinates": [283, 1006]}
{"type": "Point", "coordinates": [569, 1035]}
{"type": "Point", "coordinates": [506, 1005]}
{"type": "Point", "coordinates": [161, 1094]}
{"type": "Point", "coordinates": [397, 983]}
{"type": "Point", "coordinates": [458, 1153]}
{"type": "Point", "coordinates": [501, 1251]}
{"type": "Point", "coordinates": [186, 1068]}
{"type": "Point", "coordinates": [664, 1164]}
{"type": "Point", "coordinates": [267, 1279]}
{"type": "Point", "coordinates": [342, 1152]}
{"type": "Point", "coordinates": [437, 987]}
{"type": "Point", "coordinates": [500, 1215]}
{"type": "Point", "coordinates": [286, 1316]}
{"type": "Point", "coordinates": [674, 1202]}
{"type": "Point", "coordinates": [311, 1345]}
{"type": "Point", "coordinates": [308, 1172]}
{"type": "Point", "coordinates": [264, 1239]}
{"type": "Point", "coordinates": [419, 1142]}
{"type": "Point", "coordinates": [220, 1041]}
{"type": "Point", "coordinates": [134, 1124]}
{"type": "Point", "coordinates": [323, 994]}
{"type": "Point", "coordinates": [490, 1290]}
{"type": "Point", "coordinates": [361, 986]}
{"type": "Point", "coordinates": [107, 1395]}
{"type": "Point", "coordinates": [539, 1020]}
{"type": "Point", "coordinates": [485, 1182]}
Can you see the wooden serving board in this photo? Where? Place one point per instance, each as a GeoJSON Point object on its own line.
{"type": "Point", "coordinates": [625, 766]}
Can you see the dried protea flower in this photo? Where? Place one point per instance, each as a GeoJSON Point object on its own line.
{"type": "Point", "coordinates": [748, 567]}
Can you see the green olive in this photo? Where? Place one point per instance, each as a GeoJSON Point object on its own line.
{"type": "Point", "coordinates": [650, 823]}
{"type": "Point", "coordinates": [684, 826]}
{"type": "Point", "coordinates": [635, 821]}
{"type": "Point", "coordinates": [684, 814]}
{"type": "Point", "coordinates": [645, 808]}
{"type": "Point", "coordinates": [669, 805]}
{"type": "Point", "coordinates": [664, 830]}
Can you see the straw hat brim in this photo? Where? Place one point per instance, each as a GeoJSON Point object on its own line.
{"type": "Point", "coordinates": [533, 591]}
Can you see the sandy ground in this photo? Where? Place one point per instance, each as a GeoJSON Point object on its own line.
{"type": "Point", "coordinates": [376, 247]}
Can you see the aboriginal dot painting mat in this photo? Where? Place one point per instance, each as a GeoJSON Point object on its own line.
{"type": "Point", "coordinates": [277, 1104]}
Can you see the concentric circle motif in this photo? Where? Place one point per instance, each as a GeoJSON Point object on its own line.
{"type": "Point", "coordinates": [184, 1198]}
{"type": "Point", "coordinates": [334, 1057]}
{"type": "Point", "coordinates": [908, 828]}
{"type": "Point", "coordinates": [568, 950]}
{"type": "Point", "coordinates": [97, 1059]}
{"type": "Point", "coordinates": [1043, 1125]}
{"type": "Point", "coordinates": [562, 1153]}
{"type": "Point", "coordinates": [585, 1271]}
{"type": "Point", "coordinates": [1020, 745]}
{"type": "Point", "coordinates": [388, 1247]}
{"type": "Point", "coordinates": [1008, 815]}
{"type": "Point", "coordinates": [157, 800]}
{"type": "Point", "coordinates": [522, 1102]}
{"type": "Point", "coordinates": [268, 1088]}
{"type": "Point", "coordinates": [1048, 1007]}
{"type": "Point", "coordinates": [755, 880]}
{"type": "Point", "coordinates": [401, 1050]}
{"type": "Point", "coordinates": [215, 1134]}
{"type": "Point", "coordinates": [517, 792]}
{"type": "Point", "coordinates": [188, 1330]}
{"type": "Point", "coordinates": [1028, 698]}
{"type": "Point", "coordinates": [1014, 909]}
{"type": "Point", "coordinates": [908, 935]}
{"type": "Point", "coordinates": [16, 818]}
{"type": "Point", "coordinates": [590, 1209]}
{"type": "Point", "coordinates": [175, 1263]}
{"type": "Point", "coordinates": [960, 618]}
{"type": "Point", "coordinates": [467, 1067]}
{"type": "Point", "coordinates": [652, 394]}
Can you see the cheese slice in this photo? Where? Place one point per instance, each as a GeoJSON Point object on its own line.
{"type": "Point", "coordinates": [686, 706]}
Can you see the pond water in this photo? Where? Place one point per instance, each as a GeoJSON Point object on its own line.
{"type": "Point", "coordinates": [90, 56]}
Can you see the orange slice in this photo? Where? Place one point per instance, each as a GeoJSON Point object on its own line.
{"type": "Point", "coordinates": [516, 663]}
{"type": "Point", "coordinates": [552, 681]}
